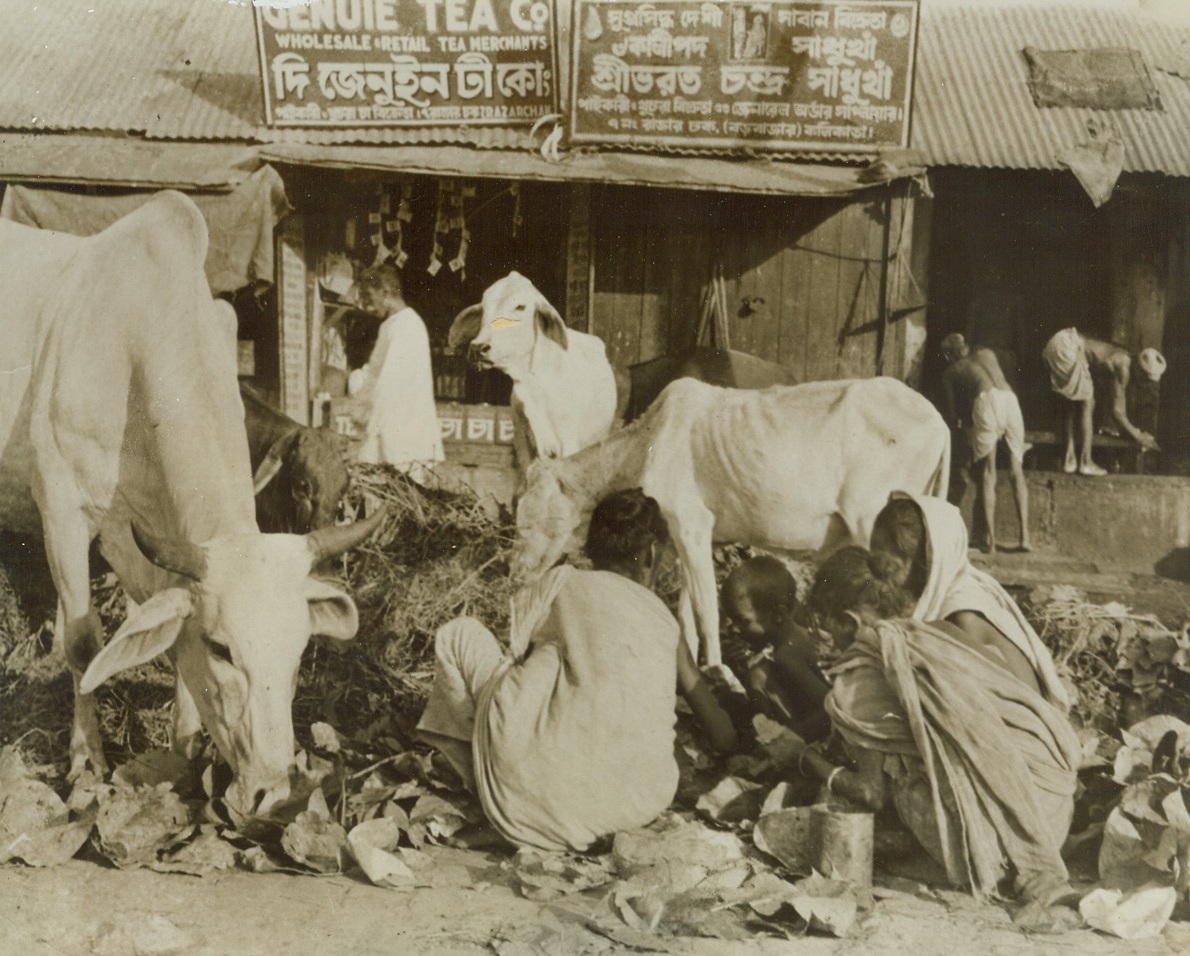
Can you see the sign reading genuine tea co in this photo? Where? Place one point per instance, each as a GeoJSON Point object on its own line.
{"type": "Point", "coordinates": [407, 62]}
{"type": "Point", "coordinates": [784, 74]}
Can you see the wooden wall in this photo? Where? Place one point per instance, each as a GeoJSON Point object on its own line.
{"type": "Point", "coordinates": [816, 264]}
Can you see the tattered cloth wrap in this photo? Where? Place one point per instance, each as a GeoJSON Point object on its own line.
{"type": "Point", "coordinates": [983, 769]}
{"type": "Point", "coordinates": [1070, 375]}
{"type": "Point", "coordinates": [572, 732]}
{"type": "Point", "coordinates": [954, 584]}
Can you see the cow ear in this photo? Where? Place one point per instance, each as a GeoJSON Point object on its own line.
{"type": "Point", "coordinates": [267, 470]}
{"type": "Point", "coordinates": [332, 612]}
{"type": "Point", "coordinates": [551, 323]}
{"type": "Point", "coordinates": [149, 630]}
{"type": "Point", "coordinates": [466, 326]}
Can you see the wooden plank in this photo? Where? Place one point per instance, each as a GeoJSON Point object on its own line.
{"type": "Point", "coordinates": [791, 311]}
{"type": "Point", "coordinates": [654, 233]}
{"type": "Point", "coordinates": [822, 293]}
{"type": "Point", "coordinates": [578, 257]}
{"type": "Point", "coordinates": [765, 278]}
{"type": "Point", "coordinates": [617, 305]}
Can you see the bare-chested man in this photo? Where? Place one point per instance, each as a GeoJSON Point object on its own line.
{"type": "Point", "coordinates": [978, 397]}
{"type": "Point", "coordinates": [1071, 359]}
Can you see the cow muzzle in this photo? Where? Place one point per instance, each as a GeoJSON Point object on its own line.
{"type": "Point", "coordinates": [251, 796]}
{"type": "Point", "coordinates": [479, 354]}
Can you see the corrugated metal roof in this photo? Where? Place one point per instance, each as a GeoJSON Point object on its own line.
{"type": "Point", "coordinates": [187, 70]}
{"type": "Point", "coordinates": [972, 105]}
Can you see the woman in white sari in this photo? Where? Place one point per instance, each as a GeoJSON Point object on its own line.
{"type": "Point", "coordinates": [929, 534]}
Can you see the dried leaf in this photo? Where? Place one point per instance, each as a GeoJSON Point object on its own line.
{"type": "Point", "coordinates": [826, 905]}
{"type": "Point", "coordinates": [1141, 914]}
{"type": "Point", "coordinates": [440, 818]}
{"type": "Point", "coordinates": [134, 826]}
{"type": "Point", "coordinates": [372, 844]}
{"type": "Point", "coordinates": [785, 835]}
{"type": "Point", "coordinates": [732, 800]}
{"type": "Point", "coordinates": [202, 855]}
{"type": "Point", "coordinates": [316, 841]}
{"type": "Point", "coordinates": [326, 738]}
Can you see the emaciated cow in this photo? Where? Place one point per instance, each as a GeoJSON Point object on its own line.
{"type": "Point", "coordinates": [790, 468]}
{"type": "Point", "coordinates": [122, 419]}
{"type": "Point", "coordinates": [563, 387]}
{"type": "Point", "coordinates": [298, 472]}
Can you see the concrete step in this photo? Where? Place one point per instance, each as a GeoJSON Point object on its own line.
{"type": "Point", "coordinates": [1168, 599]}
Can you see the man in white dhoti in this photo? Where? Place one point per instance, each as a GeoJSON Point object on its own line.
{"type": "Point", "coordinates": [402, 428]}
{"type": "Point", "coordinates": [1071, 358]}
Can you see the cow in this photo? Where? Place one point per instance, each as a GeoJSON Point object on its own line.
{"type": "Point", "coordinates": [123, 421]}
{"type": "Point", "coordinates": [298, 473]}
{"type": "Point", "coordinates": [563, 387]}
{"type": "Point", "coordinates": [802, 468]}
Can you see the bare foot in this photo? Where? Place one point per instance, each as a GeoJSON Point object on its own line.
{"type": "Point", "coordinates": [1092, 470]}
{"type": "Point", "coordinates": [1025, 546]}
{"type": "Point", "coordinates": [1071, 465]}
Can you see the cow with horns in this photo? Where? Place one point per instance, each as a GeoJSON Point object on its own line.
{"type": "Point", "coordinates": [123, 421]}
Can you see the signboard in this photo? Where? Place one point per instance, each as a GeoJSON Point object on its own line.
{"type": "Point", "coordinates": [407, 62]}
{"type": "Point", "coordinates": [785, 74]}
{"type": "Point", "coordinates": [291, 309]}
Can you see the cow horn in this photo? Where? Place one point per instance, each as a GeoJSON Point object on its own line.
{"type": "Point", "coordinates": [271, 465]}
{"type": "Point", "coordinates": [173, 554]}
{"type": "Point", "coordinates": [327, 543]}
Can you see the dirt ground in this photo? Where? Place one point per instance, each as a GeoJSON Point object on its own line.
{"type": "Point", "coordinates": [83, 907]}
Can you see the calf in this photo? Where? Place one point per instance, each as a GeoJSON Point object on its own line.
{"type": "Point", "coordinates": [563, 387]}
{"type": "Point", "coordinates": [298, 472]}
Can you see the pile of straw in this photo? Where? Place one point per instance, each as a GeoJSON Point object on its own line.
{"type": "Point", "coordinates": [437, 555]}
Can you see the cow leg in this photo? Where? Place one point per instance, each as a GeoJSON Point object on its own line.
{"type": "Point", "coordinates": [693, 543]}
{"type": "Point", "coordinates": [77, 629]}
{"type": "Point", "coordinates": [187, 724]}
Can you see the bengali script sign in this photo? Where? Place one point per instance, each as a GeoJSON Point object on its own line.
{"type": "Point", "coordinates": [783, 74]}
{"type": "Point", "coordinates": [407, 62]}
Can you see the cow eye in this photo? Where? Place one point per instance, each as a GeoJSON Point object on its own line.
{"type": "Point", "coordinates": [222, 651]}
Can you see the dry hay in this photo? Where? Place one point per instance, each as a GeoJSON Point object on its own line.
{"type": "Point", "coordinates": [437, 555]}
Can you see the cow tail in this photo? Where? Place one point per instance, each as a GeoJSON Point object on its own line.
{"type": "Point", "coordinates": [939, 485]}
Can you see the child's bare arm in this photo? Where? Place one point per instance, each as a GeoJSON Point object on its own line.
{"type": "Point", "coordinates": [698, 694]}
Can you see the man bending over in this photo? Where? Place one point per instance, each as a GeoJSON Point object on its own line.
{"type": "Point", "coordinates": [1071, 358]}
{"type": "Point", "coordinates": [977, 395]}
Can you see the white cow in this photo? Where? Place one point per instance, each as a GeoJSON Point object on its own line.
{"type": "Point", "coordinates": [563, 386]}
{"type": "Point", "coordinates": [120, 417]}
{"type": "Point", "coordinates": [789, 468]}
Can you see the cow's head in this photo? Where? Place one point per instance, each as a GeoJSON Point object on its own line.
{"type": "Point", "coordinates": [551, 517]}
{"type": "Point", "coordinates": [237, 631]}
{"type": "Point", "coordinates": [504, 328]}
{"type": "Point", "coordinates": [306, 478]}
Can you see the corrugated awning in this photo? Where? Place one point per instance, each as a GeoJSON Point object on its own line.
{"type": "Point", "coordinates": [240, 223]}
{"type": "Point", "coordinates": [628, 169]}
{"type": "Point", "coordinates": [124, 161]}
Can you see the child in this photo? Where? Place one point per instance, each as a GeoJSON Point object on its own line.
{"type": "Point", "coordinates": [759, 599]}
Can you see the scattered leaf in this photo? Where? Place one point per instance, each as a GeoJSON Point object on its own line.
{"type": "Point", "coordinates": [1141, 914]}
{"type": "Point", "coordinates": [732, 800]}
{"type": "Point", "coordinates": [786, 836]}
{"type": "Point", "coordinates": [316, 841]}
{"type": "Point", "coordinates": [134, 826]}
{"type": "Point", "coordinates": [207, 852]}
